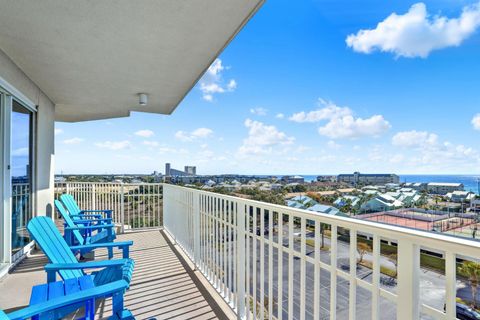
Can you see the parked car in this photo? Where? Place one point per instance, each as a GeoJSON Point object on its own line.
{"type": "Point", "coordinates": [464, 312]}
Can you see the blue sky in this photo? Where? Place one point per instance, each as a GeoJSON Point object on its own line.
{"type": "Point", "coordinates": [314, 87]}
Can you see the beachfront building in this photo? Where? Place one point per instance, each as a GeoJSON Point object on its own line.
{"type": "Point", "coordinates": [443, 188]}
{"type": "Point", "coordinates": [368, 179]}
{"type": "Point", "coordinates": [419, 186]}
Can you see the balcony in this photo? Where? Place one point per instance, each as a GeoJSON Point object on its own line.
{"type": "Point", "coordinates": [206, 255]}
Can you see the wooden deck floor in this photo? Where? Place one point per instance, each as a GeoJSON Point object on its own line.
{"type": "Point", "coordinates": [164, 286]}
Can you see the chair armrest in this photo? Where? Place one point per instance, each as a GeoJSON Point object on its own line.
{"type": "Point", "coordinates": [103, 245]}
{"type": "Point", "coordinates": [84, 265]}
{"type": "Point", "coordinates": [100, 291]}
{"type": "Point", "coordinates": [95, 227]}
{"type": "Point", "coordinates": [86, 215]}
{"type": "Point", "coordinates": [107, 212]}
{"type": "Point", "coordinates": [108, 220]}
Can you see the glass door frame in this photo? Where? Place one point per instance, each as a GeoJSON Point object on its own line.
{"type": "Point", "coordinates": [7, 95]}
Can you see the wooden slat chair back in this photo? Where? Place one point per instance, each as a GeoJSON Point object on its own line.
{"type": "Point", "coordinates": [47, 236]}
{"type": "Point", "coordinates": [78, 237]}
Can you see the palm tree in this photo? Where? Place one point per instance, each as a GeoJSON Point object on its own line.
{"type": "Point", "coordinates": [362, 249]}
{"type": "Point", "coordinates": [472, 271]}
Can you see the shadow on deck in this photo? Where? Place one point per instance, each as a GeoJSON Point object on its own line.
{"type": "Point", "coordinates": [164, 285]}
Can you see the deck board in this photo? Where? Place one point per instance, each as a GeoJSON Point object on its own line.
{"type": "Point", "coordinates": [163, 285]}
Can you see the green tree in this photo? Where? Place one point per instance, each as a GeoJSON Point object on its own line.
{"type": "Point", "coordinates": [472, 270]}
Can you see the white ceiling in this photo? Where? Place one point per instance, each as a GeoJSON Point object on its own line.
{"type": "Point", "coordinates": [92, 58]}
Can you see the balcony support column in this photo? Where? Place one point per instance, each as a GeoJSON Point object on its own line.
{"type": "Point", "coordinates": [408, 306]}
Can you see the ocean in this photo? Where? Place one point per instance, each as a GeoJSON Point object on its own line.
{"type": "Point", "coordinates": [469, 181]}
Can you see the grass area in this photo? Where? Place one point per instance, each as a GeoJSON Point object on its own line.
{"type": "Point", "coordinates": [384, 270]}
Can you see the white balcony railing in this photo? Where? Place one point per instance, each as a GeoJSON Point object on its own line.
{"type": "Point", "coordinates": [134, 205]}
{"type": "Point", "coordinates": [270, 261]}
{"type": "Point", "coordinates": [275, 262]}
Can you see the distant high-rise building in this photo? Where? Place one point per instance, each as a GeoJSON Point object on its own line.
{"type": "Point", "coordinates": [167, 169]}
{"type": "Point", "coordinates": [191, 170]}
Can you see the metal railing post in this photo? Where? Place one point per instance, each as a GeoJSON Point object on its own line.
{"type": "Point", "coordinates": [94, 202]}
{"type": "Point", "coordinates": [196, 228]}
{"type": "Point", "coordinates": [408, 305]}
{"type": "Point", "coordinates": [122, 208]}
{"type": "Point", "coordinates": [241, 234]}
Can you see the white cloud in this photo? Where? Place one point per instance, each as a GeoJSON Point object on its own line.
{"type": "Point", "coordinates": [350, 127]}
{"type": "Point", "coordinates": [416, 33]}
{"type": "Point", "coordinates": [58, 131]}
{"type": "Point", "coordinates": [476, 121]}
{"type": "Point", "coordinates": [429, 154]}
{"type": "Point", "coordinates": [73, 141]}
{"type": "Point", "coordinates": [414, 139]}
{"type": "Point", "coordinates": [280, 116]}
{"type": "Point", "coordinates": [212, 81]}
{"type": "Point", "coordinates": [114, 145]}
{"type": "Point", "coordinates": [333, 145]}
{"type": "Point", "coordinates": [259, 111]}
{"type": "Point", "coordinates": [145, 133]}
{"type": "Point", "coordinates": [151, 143]}
{"type": "Point", "coordinates": [200, 133]}
{"type": "Point", "coordinates": [341, 122]}
{"type": "Point", "coordinates": [262, 138]}
{"type": "Point", "coordinates": [328, 111]}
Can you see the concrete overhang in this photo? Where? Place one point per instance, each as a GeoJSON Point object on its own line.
{"type": "Point", "coordinates": [92, 58]}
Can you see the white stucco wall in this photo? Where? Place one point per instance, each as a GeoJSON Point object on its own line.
{"type": "Point", "coordinates": [45, 131]}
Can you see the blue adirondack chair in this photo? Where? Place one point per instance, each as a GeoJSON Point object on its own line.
{"type": "Point", "coordinates": [75, 210]}
{"type": "Point", "coordinates": [82, 232]}
{"type": "Point", "coordinates": [80, 220]}
{"type": "Point", "coordinates": [61, 306]}
{"type": "Point", "coordinates": [63, 261]}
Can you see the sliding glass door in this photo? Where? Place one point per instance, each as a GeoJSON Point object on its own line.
{"type": "Point", "coordinates": [21, 174]}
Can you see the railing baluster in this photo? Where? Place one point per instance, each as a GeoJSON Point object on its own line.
{"type": "Point", "coordinates": [450, 290]}
{"type": "Point", "coordinates": [303, 232]}
{"type": "Point", "coordinates": [333, 273]}
{"type": "Point", "coordinates": [352, 302]}
{"type": "Point", "coordinates": [316, 275]}
{"type": "Point", "coordinates": [408, 302]}
{"type": "Point", "coordinates": [376, 278]}
{"type": "Point", "coordinates": [290, 267]}
{"type": "Point", "coordinates": [240, 270]}
{"type": "Point", "coordinates": [262, 263]}
{"type": "Point", "coordinates": [280, 267]}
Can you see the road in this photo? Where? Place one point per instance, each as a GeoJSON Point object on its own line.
{"type": "Point", "coordinates": [432, 284]}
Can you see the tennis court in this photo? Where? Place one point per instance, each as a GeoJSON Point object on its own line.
{"type": "Point", "coordinates": [407, 221]}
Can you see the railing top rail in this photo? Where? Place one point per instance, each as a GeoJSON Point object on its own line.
{"type": "Point", "coordinates": [388, 231]}
{"type": "Point", "coordinates": [112, 183]}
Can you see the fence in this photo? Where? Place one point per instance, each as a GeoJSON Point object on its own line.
{"type": "Point", "coordinates": [267, 264]}
{"type": "Point", "coordinates": [134, 205]}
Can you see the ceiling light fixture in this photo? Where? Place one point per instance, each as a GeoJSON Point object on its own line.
{"type": "Point", "coordinates": [142, 99]}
